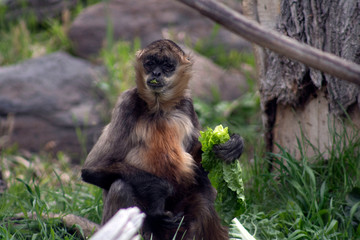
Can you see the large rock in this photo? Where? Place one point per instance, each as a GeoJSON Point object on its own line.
{"type": "Point", "coordinates": [41, 9]}
{"type": "Point", "coordinates": [49, 98]}
{"type": "Point", "coordinates": [147, 20]}
{"type": "Point", "coordinates": [209, 77]}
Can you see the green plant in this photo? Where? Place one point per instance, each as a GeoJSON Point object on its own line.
{"type": "Point", "coordinates": [242, 116]}
{"type": "Point", "coordinates": [40, 187]}
{"type": "Point", "coordinates": [20, 42]}
{"type": "Point", "coordinates": [24, 37]}
{"type": "Point", "coordinates": [307, 198]}
{"type": "Point", "coordinates": [118, 60]}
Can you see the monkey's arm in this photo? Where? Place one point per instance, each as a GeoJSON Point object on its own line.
{"type": "Point", "coordinates": [105, 162]}
{"type": "Point", "coordinates": [148, 191]}
{"type": "Point", "coordinates": [142, 182]}
{"type": "Point", "coordinates": [133, 187]}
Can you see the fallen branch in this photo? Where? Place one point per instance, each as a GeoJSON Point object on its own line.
{"type": "Point", "coordinates": [124, 225]}
{"type": "Point", "coordinates": [254, 32]}
{"type": "Point", "coordinates": [83, 227]}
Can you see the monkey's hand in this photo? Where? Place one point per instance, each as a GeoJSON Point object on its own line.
{"type": "Point", "coordinates": [153, 189]}
{"type": "Point", "coordinates": [155, 195]}
{"type": "Point", "coordinates": [165, 220]}
{"type": "Point", "coordinates": [230, 150]}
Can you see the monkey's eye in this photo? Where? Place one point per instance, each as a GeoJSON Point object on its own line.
{"type": "Point", "coordinates": [168, 67]}
{"type": "Point", "coordinates": [149, 64]}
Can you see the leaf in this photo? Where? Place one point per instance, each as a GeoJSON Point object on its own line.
{"type": "Point", "coordinates": [322, 193]}
{"type": "Point", "coordinates": [232, 176]}
{"type": "Point", "coordinates": [332, 227]}
{"type": "Point", "coordinates": [28, 188]}
{"type": "Point", "coordinates": [354, 209]}
{"type": "Point", "coordinates": [226, 178]}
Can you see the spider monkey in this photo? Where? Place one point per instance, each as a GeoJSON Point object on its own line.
{"type": "Point", "coordinates": [149, 155]}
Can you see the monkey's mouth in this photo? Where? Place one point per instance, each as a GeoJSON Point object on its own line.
{"type": "Point", "coordinates": [155, 83]}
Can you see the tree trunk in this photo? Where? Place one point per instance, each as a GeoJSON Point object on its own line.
{"type": "Point", "coordinates": [296, 99]}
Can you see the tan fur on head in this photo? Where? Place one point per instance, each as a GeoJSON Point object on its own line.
{"type": "Point", "coordinates": [178, 82]}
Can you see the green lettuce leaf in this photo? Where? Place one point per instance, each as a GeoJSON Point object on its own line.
{"type": "Point", "coordinates": [226, 178]}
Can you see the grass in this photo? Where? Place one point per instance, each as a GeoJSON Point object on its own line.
{"type": "Point", "coordinates": [118, 59]}
{"type": "Point", "coordinates": [25, 38]}
{"type": "Point", "coordinates": [41, 185]}
{"type": "Point", "coordinates": [310, 198]}
{"type": "Point", "coordinates": [21, 41]}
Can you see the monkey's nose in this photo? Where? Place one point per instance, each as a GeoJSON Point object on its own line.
{"type": "Point", "coordinates": [156, 72]}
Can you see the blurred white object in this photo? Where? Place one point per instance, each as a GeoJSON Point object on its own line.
{"type": "Point", "coordinates": [239, 232]}
{"type": "Point", "coordinates": [124, 225]}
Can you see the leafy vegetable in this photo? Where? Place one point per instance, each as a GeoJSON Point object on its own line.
{"type": "Point", "coordinates": [226, 178]}
{"type": "Point", "coordinates": [154, 81]}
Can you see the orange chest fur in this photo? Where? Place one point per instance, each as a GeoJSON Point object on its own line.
{"type": "Point", "coordinates": [161, 148]}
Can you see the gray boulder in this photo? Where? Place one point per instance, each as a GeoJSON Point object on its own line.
{"type": "Point", "coordinates": [49, 98]}
{"type": "Point", "coordinates": [209, 77]}
{"type": "Point", "coordinates": [147, 20]}
{"type": "Point", "coordinates": [41, 9]}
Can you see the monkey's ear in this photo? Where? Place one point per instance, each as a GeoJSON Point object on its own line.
{"type": "Point", "coordinates": [139, 54]}
{"type": "Point", "coordinates": [187, 59]}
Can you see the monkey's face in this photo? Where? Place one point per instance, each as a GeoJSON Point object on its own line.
{"type": "Point", "coordinates": [162, 68]}
{"type": "Point", "coordinates": [159, 70]}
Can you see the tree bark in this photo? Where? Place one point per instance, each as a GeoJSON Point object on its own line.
{"type": "Point", "coordinates": [281, 44]}
{"type": "Point", "coordinates": [298, 100]}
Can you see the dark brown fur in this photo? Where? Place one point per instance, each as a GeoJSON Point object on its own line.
{"type": "Point", "coordinates": [149, 155]}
